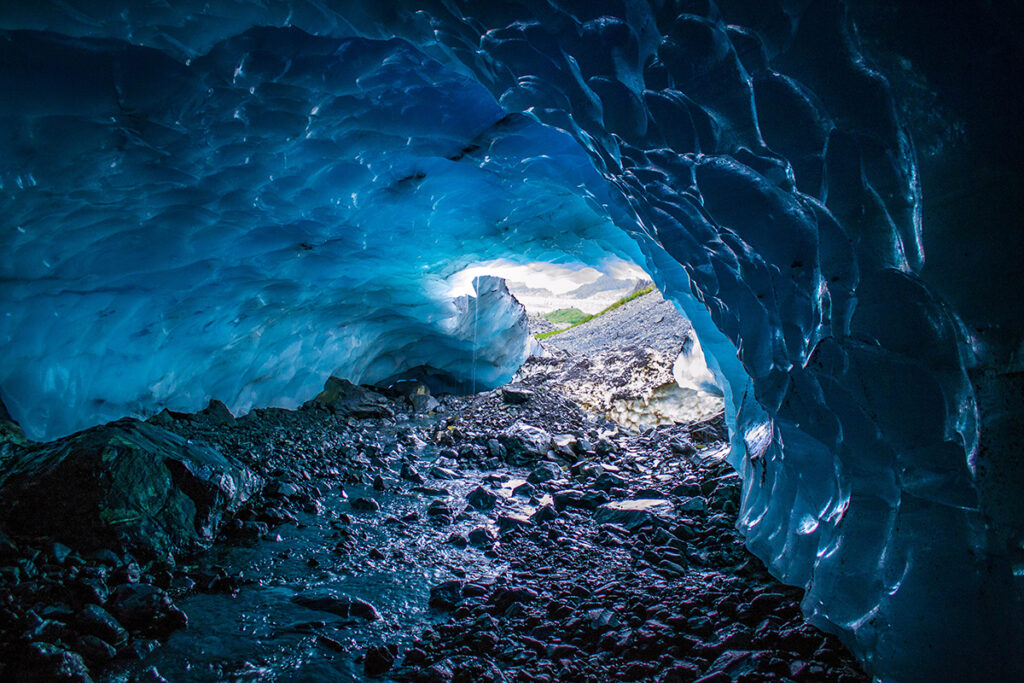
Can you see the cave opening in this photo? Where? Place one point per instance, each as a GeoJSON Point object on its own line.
{"type": "Point", "coordinates": [239, 262]}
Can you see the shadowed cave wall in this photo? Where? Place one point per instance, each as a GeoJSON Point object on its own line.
{"type": "Point", "coordinates": [233, 201]}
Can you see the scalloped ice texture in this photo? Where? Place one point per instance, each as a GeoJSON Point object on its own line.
{"type": "Point", "coordinates": [196, 208]}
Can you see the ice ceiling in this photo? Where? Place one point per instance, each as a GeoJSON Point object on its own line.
{"type": "Point", "coordinates": [232, 200]}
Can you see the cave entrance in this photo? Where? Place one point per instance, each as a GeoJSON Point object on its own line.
{"type": "Point", "coordinates": [605, 337]}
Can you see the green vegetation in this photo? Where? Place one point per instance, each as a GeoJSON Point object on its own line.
{"type": "Point", "coordinates": [573, 316]}
{"type": "Point", "coordinates": [588, 318]}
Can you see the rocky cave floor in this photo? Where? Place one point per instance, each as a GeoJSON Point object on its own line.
{"type": "Point", "coordinates": [507, 536]}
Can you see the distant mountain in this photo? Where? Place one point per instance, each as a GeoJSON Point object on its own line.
{"type": "Point", "coordinates": [605, 284]}
{"type": "Point", "coordinates": [590, 298]}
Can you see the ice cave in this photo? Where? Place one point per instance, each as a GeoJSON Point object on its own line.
{"type": "Point", "coordinates": [235, 201]}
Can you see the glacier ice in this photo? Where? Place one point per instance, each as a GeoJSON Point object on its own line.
{"type": "Point", "coordinates": [218, 199]}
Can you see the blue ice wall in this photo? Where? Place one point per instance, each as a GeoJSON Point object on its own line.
{"type": "Point", "coordinates": [224, 199]}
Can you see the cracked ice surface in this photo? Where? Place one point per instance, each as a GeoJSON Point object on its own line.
{"type": "Point", "coordinates": [196, 208]}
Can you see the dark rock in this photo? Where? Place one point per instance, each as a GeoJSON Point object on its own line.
{"type": "Point", "coordinates": [546, 471]}
{"type": "Point", "coordinates": [525, 443]}
{"type": "Point", "coordinates": [443, 474]}
{"type": "Point", "coordinates": [145, 608]}
{"type": "Point", "coordinates": [515, 395]}
{"type": "Point", "coordinates": [217, 414]}
{"type": "Point", "coordinates": [634, 513]}
{"type": "Point", "coordinates": [150, 675]}
{"type": "Point", "coordinates": [95, 621]}
{"type": "Point", "coordinates": [90, 590]}
{"type": "Point", "coordinates": [46, 662]}
{"type": "Point", "coordinates": [600, 619]}
{"type": "Point", "coordinates": [446, 595]}
{"type": "Point", "coordinates": [496, 450]}
{"type": "Point", "coordinates": [125, 483]}
{"type": "Point", "coordinates": [524, 490]}
{"type": "Point", "coordinates": [509, 523]}
{"type": "Point", "coordinates": [330, 600]}
{"type": "Point", "coordinates": [349, 400]}
{"type": "Point", "coordinates": [439, 508]}
{"type": "Point", "coordinates": [481, 498]}
{"type": "Point", "coordinates": [365, 505]}
{"type": "Point", "coordinates": [481, 536]}
{"type": "Point", "coordinates": [12, 436]}
{"type": "Point", "coordinates": [545, 513]}
{"type": "Point", "coordinates": [423, 403]}
{"type": "Point", "coordinates": [502, 598]}
{"type": "Point", "coordinates": [409, 473]}
{"type": "Point", "coordinates": [95, 650]}
{"type": "Point", "coordinates": [379, 660]}
{"type": "Point", "coordinates": [572, 498]}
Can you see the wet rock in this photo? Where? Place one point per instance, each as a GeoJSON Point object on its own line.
{"type": "Point", "coordinates": [95, 621]}
{"type": "Point", "coordinates": [379, 660]}
{"type": "Point", "coordinates": [481, 498]}
{"type": "Point", "coordinates": [150, 675]}
{"type": "Point", "coordinates": [409, 473]}
{"type": "Point", "coordinates": [481, 536]}
{"type": "Point", "coordinates": [47, 662]}
{"type": "Point", "coordinates": [503, 598]}
{"type": "Point", "coordinates": [446, 596]}
{"type": "Point", "coordinates": [95, 650]}
{"type": "Point", "coordinates": [511, 523]}
{"type": "Point", "coordinates": [88, 589]}
{"type": "Point", "coordinates": [334, 602]}
{"type": "Point", "coordinates": [443, 474]}
{"type": "Point", "coordinates": [125, 483]}
{"type": "Point", "coordinates": [147, 609]}
{"type": "Point", "coordinates": [365, 505]}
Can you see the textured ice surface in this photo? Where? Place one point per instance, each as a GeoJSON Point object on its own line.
{"type": "Point", "coordinates": [195, 208]}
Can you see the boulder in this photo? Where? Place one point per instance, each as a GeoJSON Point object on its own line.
{"type": "Point", "coordinates": [125, 484]}
{"type": "Point", "coordinates": [515, 395]}
{"type": "Point", "coordinates": [423, 403]}
{"type": "Point", "coordinates": [525, 443]}
{"type": "Point", "coordinates": [350, 400]}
